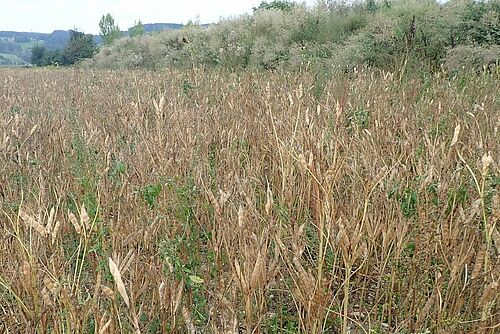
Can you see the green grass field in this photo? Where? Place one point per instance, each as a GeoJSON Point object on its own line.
{"type": "Point", "coordinates": [14, 60]}
{"type": "Point", "coordinates": [28, 45]}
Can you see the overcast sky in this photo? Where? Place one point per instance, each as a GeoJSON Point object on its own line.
{"type": "Point", "coordinates": [49, 15]}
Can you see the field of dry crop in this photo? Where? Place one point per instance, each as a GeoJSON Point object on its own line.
{"type": "Point", "coordinates": [211, 202]}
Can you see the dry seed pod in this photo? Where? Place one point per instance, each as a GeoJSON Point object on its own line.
{"type": "Point", "coordinates": [26, 269]}
{"type": "Point", "coordinates": [258, 271]}
{"type": "Point", "coordinates": [223, 198]}
{"type": "Point", "coordinates": [270, 200]}
{"type": "Point", "coordinates": [74, 222]}
{"type": "Point", "coordinates": [363, 249]}
{"type": "Point", "coordinates": [427, 307]}
{"type": "Point", "coordinates": [301, 230]}
{"type": "Point", "coordinates": [342, 236]}
{"type": "Point", "coordinates": [239, 274]}
{"type": "Point", "coordinates": [46, 297]}
{"type": "Point", "coordinates": [302, 160]}
{"type": "Point", "coordinates": [495, 236]}
{"type": "Point", "coordinates": [299, 92]}
{"type": "Point", "coordinates": [215, 203]}
{"type": "Point", "coordinates": [306, 279]}
{"type": "Point", "coordinates": [52, 286]}
{"type": "Point", "coordinates": [280, 244]}
{"type": "Point", "coordinates": [162, 103]}
{"type": "Point", "coordinates": [50, 222]}
{"type": "Point", "coordinates": [161, 292]}
{"type": "Point", "coordinates": [33, 223]}
{"type": "Point", "coordinates": [170, 265]}
{"type": "Point", "coordinates": [311, 160]}
{"type": "Point", "coordinates": [377, 179]}
{"type": "Point", "coordinates": [84, 218]}
{"type": "Point", "coordinates": [97, 286]}
{"type": "Point", "coordinates": [486, 161]}
{"type": "Point", "coordinates": [125, 264]}
{"type": "Point", "coordinates": [489, 293]}
{"type": "Point", "coordinates": [55, 231]}
{"type": "Point", "coordinates": [455, 135]}
{"type": "Point", "coordinates": [105, 327]}
{"type": "Point", "coordinates": [496, 207]}
{"type": "Point", "coordinates": [241, 217]}
{"type": "Point", "coordinates": [33, 129]}
{"type": "Point", "coordinates": [330, 173]}
{"type": "Point", "coordinates": [118, 280]}
{"type": "Point", "coordinates": [178, 296]}
{"type": "Point", "coordinates": [5, 143]}
{"type": "Point", "coordinates": [25, 276]}
{"type": "Point", "coordinates": [107, 292]}
{"type": "Point", "coordinates": [188, 321]}
{"type": "Point", "coordinates": [478, 265]}
{"type": "Point", "coordinates": [155, 104]}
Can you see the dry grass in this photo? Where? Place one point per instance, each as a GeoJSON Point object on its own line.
{"type": "Point", "coordinates": [220, 203]}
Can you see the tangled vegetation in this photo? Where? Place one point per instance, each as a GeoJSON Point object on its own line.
{"type": "Point", "coordinates": [390, 34]}
{"type": "Point", "coordinates": [257, 202]}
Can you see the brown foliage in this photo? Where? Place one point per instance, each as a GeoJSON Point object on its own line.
{"type": "Point", "coordinates": [214, 202]}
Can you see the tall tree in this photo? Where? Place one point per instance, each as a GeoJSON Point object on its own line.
{"type": "Point", "coordinates": [80, 46]}
{"type": "Point", "coordinates": [37, 55]}
{"type": "Point", "coordinates": [109, 30]}
{"type": "Point", "coordinates": [371, 6]}
{"type": "Point", "coordinates": [285, 5]}
{"type": "Point", "coordinates": [137, 30]}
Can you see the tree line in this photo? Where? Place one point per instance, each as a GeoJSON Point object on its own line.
{"type": "Point", "coordinates": [283, 34]}
{"type": "Point", "coordinates": [80, 45]}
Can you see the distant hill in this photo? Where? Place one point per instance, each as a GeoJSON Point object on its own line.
{"type": "Point", "coordinates": [15, 47]}
{"type": "Point", "coordinates": [153, 27]}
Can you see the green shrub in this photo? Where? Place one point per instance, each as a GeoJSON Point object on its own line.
{"type": "Point", "coordinates": [383, 34]}
{"type": "Point", "coordinates": [472, 57]}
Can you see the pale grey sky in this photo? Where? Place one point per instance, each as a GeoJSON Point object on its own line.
{"type": "Point", "coordinates": [46, 16]}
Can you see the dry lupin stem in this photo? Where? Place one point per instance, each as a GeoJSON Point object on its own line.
{"type": "Point", "coordinates": [287, 216]}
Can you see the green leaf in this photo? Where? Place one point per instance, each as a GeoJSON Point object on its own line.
{"type": "Point", "coordinates": [196, 280]}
